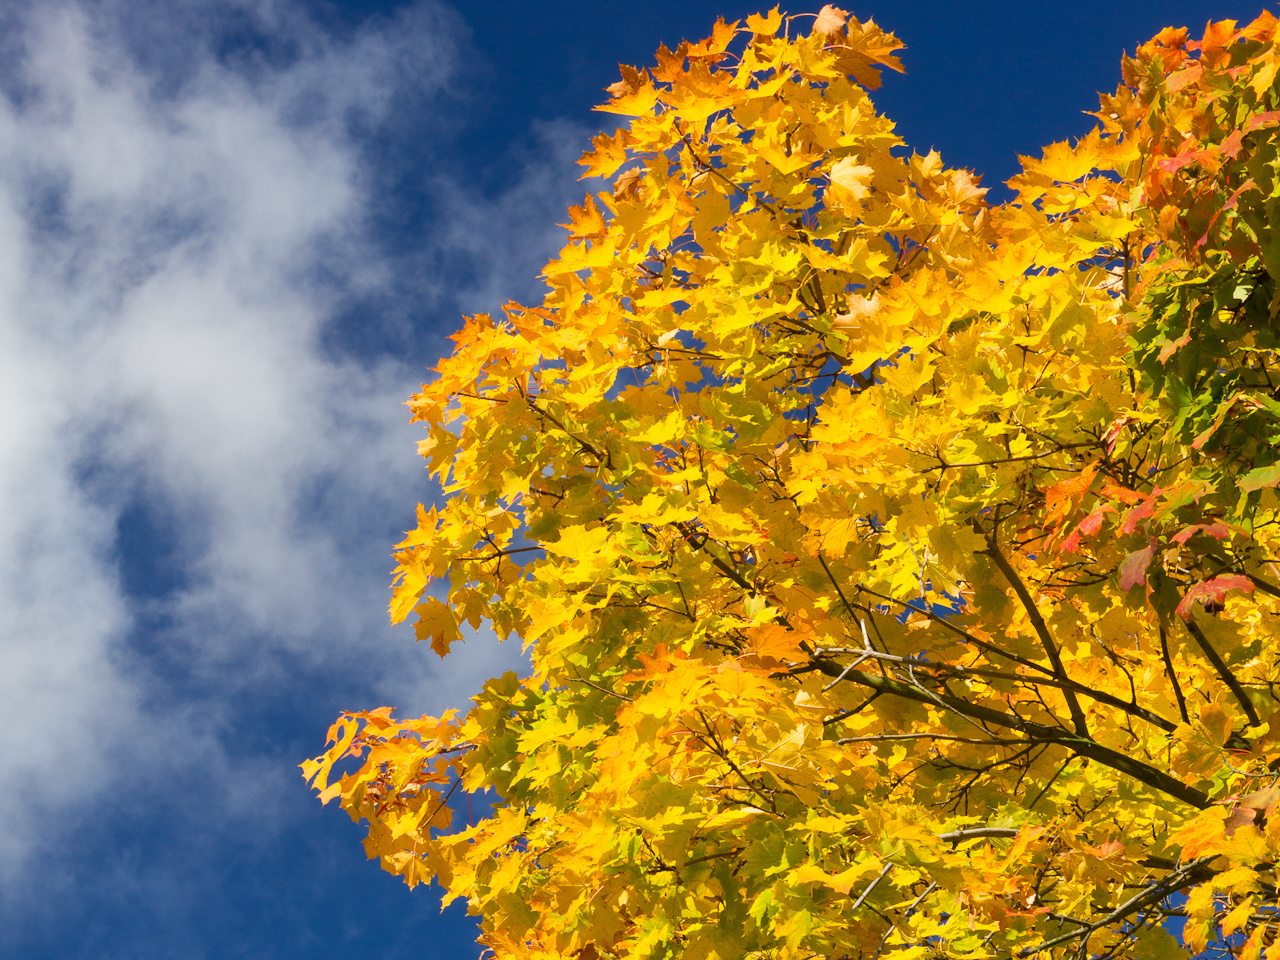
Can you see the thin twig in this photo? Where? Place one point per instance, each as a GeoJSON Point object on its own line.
{"type": "Point", "coordinates": [1130, 707]}
{"type": "Point", "coordinates": [871, 886]}
{"type": "Point", "coordinates": [866, 652]}
{"type": "Point", "coordinates": [620, 696]}
{"type": "Point", "coordinates": [1150, 895]}
{"type": "Point", "coordinates": [931, 736]}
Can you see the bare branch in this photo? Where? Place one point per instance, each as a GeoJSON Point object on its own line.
{"type": "Point", "coordinates": [1129, 706]}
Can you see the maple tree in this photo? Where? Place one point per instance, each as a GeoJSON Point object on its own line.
{"type": "Point", "coordinates": [897, 569]}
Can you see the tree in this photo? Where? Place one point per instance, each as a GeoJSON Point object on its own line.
{"type": "Point", "coordinates": [897, 569]}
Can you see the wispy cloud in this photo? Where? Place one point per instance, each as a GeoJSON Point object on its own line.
{"type": "Point", "coordinates": [202, 462]}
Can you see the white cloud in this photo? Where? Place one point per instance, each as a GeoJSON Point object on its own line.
{"type": "Point", "coordinates": [179, 232]}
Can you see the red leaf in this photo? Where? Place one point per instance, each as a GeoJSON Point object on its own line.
{"type": "Point", "coordinates": [1093, 522]}
{"type": "Point", "coordinates": [1223, 411]}
{"type": "Point", "coordinates": [1218, 530]}
{"type": "Point", "coordinates": [1133, 570]}
{"type": "Point", "coordinates": [1138, 513]}
{"type": "Point", "coordinates": [1231, 145]}
{"type": "Point", "coordinates": [1123, 494]}
{"type": "Point", "coordinates": [1229, 205]}
{"type": "Point", "coordinates": [1085, 528]}
{"type": "Point", "coordinates": [1213, 589]}
{"type": "Point", "coordinates": [1174, 164]}
{"type": "Point", "coordinates": [1268, 119]}
{"type": "Point", "coordinates": [1113, 431]}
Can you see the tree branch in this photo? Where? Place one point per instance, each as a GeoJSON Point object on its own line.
{"type": "Point", "coordinates": [601, 458]}
{"type": "Point", "coordinates": [1173, 675]}
{"type": "Point", "coordinates": [1084, 746]}
{"type": "Point", "coordinates": [884, 737]}
{"type": "Point", "coordinates": [1041, 628]}
{"type": "Point", "coordinates": [1153, 894]}
{"type": "Point", "coordinates": [1131, 707]}
{"type": "Point", "coordinates": [973, 833]}
{"type": "Point", "coordinates": [1224, 671]}
{"type": "Point", "coordinates": [964, 635]}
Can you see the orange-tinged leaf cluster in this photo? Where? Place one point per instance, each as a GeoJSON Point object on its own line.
{"type": "Point", "coordinates": [896, 569]}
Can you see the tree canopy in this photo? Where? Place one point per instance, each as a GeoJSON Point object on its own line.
{"type": "Point", "coordinates": [897, 569]}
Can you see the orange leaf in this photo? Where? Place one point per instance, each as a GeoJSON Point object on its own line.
{"type": "Point", "coordinates": [1113, 491]}
{"type": "Point", "coordinates": [1217, 36]}
{"type": "Point", "coordinates": [586, 221]}
{"type": "Point", "coordinates": [713, 47]}
{"type": "Point", "coordinates": [626, 184]}
{"type": "Point", "coordinates": [1062, 496]}
{"type": "Point", "coordinates": [773, 640]}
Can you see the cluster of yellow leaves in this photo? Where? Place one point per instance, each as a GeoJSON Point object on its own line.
{"type": "Point", "coordinates": [896, 569]}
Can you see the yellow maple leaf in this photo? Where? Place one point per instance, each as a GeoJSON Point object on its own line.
{"type": "Point", "coordinates": [436, 622]}
{"type": "Point", "coordinates": [765, 25]}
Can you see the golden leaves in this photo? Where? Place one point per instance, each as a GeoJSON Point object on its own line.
{"type": "Point", "coordinates": [586, 222]}
{"type": "Point", "coordinates": [817, 488]}
{"type": "Point", "coordinates": [634, 95]}
{"type": "Point", "coordinates": [851, 177]}
{"type": "Point", "coordinates": [609, 154]}
{"type": "Point", "coordinates": [765, 25]}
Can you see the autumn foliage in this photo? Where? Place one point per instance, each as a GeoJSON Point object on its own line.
{"type": "Point", "coordinates": [897, 570]}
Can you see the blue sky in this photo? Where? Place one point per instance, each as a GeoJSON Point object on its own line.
{"type": "Point", "coordinates": [233, 236]}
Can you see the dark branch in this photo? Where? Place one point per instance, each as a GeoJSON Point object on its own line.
{"type": "Point", "coordinates": [1224, 672]}
{"type": "Point", "coordinates": [1041, 628]}
{"type": "Point", "coordinates": [1083, 746]}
